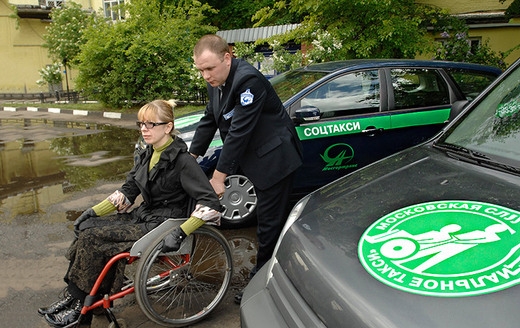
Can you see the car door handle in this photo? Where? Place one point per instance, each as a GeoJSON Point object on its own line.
{"type": "Point", "coordinates": [372, 130]}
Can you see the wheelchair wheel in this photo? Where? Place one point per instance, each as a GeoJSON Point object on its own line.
{"type": "Point", "coordinates": [181, 288]}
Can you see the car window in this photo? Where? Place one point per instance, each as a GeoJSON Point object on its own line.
{"type": "Point", "coordinates": [288, 84]}
{"type": "Point", "coordinates": [415, 87]}
{"type": "Point", "coordinates": [351, 93]}
{"type": "Point", "coordinates": [492, 127]}
{"type": "Point", "coordinates": [471, 83]}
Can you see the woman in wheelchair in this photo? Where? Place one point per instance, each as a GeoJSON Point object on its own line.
{"type": "Point", "coordinates": [167, 177]}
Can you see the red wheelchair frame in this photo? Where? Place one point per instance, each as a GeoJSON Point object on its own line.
{"type": "Point", "coordinates": [170, 274]}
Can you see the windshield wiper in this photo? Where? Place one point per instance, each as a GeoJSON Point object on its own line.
{"type": "Point", "coordinates": [459, 150]}
{"type": "Point", "coordinates": [469, 155]}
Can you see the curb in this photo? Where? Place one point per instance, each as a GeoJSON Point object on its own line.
{"type": "Point", "coordinates": [77, 112]}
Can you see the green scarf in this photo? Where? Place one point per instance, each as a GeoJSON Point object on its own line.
{"type": "Point", "coordinates": [157, 154]}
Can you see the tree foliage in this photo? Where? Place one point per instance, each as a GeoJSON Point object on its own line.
{"type": "Point", "coordinates": [514, 8]}
{"type": "Point", "coordinates": [347, 29]}
{"type": "Point", "coordinates": [237, 14]}
{"type": "Point", "coordinates": [148, 55]}
{"type": "Point", "coordinates": [64, 36]}
{"type": "Point", "coordinates": [51, 74]}
{"type": "Point", "coordinates": [145, 57]}
{"type": "Point", "coordinates": [277, 13]}
{"type": "Point", "coordinates": [455, 45]}
{"type": "Point", "coordinates": [280, 61]}
{"type": "Point", "coordinates": [247, 52]}
{"type": "Point", "coordinates": [359, 28]}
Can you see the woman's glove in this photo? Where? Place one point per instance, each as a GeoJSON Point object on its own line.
{"type": "Point", "coordinates": [83, 217]}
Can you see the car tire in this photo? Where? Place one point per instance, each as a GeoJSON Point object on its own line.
{"type": "Point", "coordinates": [239, 202]}
{"type": "Point", "coordinates": [243, 249]}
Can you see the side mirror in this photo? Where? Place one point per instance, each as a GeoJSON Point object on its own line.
{"type": "Point", "coordinates": [457, 108]}
{"type": "Point", "coordinates": [307, 114]}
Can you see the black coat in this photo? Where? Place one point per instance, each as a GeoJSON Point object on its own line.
{"type": "Point", "coordinates": [258, 134]}
{"type": "Point", "coordinates": [168, 187]}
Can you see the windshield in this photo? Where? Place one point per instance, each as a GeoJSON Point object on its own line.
{"type": "Point", "coordinates": [290, 83]}
{"type": "Point", "coordinates": [492, 128]}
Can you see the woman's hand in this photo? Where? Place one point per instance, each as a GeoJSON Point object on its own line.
{"type": "Point", "coordinates": [87, 214]}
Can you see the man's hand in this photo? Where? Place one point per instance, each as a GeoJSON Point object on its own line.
{"type": "Point", "coordinates": [217, 182]}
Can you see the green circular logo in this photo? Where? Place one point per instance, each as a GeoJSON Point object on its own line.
{"type": "Point", "coordinates": [445, 248]}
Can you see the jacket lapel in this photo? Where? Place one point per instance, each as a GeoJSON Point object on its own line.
{"type": "Point", "coordinates": [221, 102]}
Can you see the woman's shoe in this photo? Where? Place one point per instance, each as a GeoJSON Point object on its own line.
{"type": "Point", "coordinates": [238, 297]}
{"type": "Point", "coordinates": [65, 317]}
{"type": "Point", "coordinates": [57, 306]}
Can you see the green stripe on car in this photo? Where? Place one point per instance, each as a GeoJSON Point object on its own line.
{"type": "Point", "coordinates": [387, 121]}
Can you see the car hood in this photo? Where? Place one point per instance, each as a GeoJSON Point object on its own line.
{"type": "Point", "coordinates": [342, 276]}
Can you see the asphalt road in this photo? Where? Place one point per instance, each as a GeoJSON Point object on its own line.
{"type": "Point", "coordinates": [32, 248]}
{"type": "Point", "coordinates": [32, 269]}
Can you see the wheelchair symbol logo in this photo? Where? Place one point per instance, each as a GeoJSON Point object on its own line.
{"type": "Point", "coordinates": [448, 248]}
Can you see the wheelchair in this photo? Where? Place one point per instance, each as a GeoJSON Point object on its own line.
{"type": "Point", "coordinates": [172, 289]}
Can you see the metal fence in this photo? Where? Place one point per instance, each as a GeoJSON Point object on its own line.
{"type": "Point", "coordinates": [76, 97]}
{"type": "Point", "coordinates": [41, 97]}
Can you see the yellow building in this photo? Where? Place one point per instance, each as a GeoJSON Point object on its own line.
{"type": "Point", "coordinates": [486, 22]}
{"type": "Point", "coordinates": [21, 53]}
{"type": "Point", "coordinates": [22, 56]}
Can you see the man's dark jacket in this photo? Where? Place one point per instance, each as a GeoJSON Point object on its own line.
{"type": "Point", "coordinates": [258, 134]}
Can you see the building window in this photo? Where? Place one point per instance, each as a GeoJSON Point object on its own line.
{"type": "Point", "coordinates": [113, 9]}
{"type": "Point", "coordinates": [54, 3]}
{"type": "Point", "coordinates": [474, 42]}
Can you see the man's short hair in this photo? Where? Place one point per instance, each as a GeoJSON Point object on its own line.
{"type": "Point", "coordinates": [213, 43]}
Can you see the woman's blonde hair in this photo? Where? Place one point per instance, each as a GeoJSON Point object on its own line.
{"type": "Point", "coordinates": [158, 109]}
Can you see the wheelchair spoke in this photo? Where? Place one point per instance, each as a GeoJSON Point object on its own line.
{"type": "Point", "coordinates": [178, 295]}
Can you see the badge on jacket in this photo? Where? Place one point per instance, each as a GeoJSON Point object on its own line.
{"type": "Point", "coordinates": [229, 115]}
{"type": "Point", "coordinates": [246, 98]}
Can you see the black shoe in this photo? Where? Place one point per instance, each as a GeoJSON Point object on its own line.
{"type": "Point", "coordinates": [238, 297]}
{"type": "Point", "coordinates": [173, 241]}
{"type": "Point", "coordinates": [57, 306]}
{"type": "Point", "coordinates": [65, 317]}
{"type": "Point", "coordinates": [252, 273]}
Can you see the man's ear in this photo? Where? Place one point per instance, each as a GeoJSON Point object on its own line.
{"type": "Point", "coordinates": [227, 58]}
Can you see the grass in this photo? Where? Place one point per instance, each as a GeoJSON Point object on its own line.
{"type": "Point", "coordinates": [179, 110]}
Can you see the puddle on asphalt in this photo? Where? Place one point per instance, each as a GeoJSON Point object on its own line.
{"type": "Point", "coordinates": [41, 161]}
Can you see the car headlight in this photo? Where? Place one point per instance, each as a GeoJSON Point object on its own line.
{"type": "Point", "coordinates": [293, 216]}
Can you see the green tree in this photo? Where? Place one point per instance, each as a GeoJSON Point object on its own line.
{"type": "Point", "coordinates": [64, 36]}
{"type": "Point", "coordinates": [347, 29]}
{"type": "Point", "coordinates": [363, 28]}
{"type": "Point", "coordinates": [145, 57]}
{"type": "Point", "coordinates": [280, 61]}
{"type": "Point", "coordinates": [237, 14]}
{"type": "Point", "coordinates": [50, 75]}
{"type": "Point", "coordinates": [278, 13]}
{"type": "Point", "coordinates": [514, 8]}
{"type": "Point", "coordinates": [247, 52]}
{"type": "Point", "coordinates": [455, 45]}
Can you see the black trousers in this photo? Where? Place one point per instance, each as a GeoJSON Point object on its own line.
{"type": "Point", "coordinates": [271, 213]}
